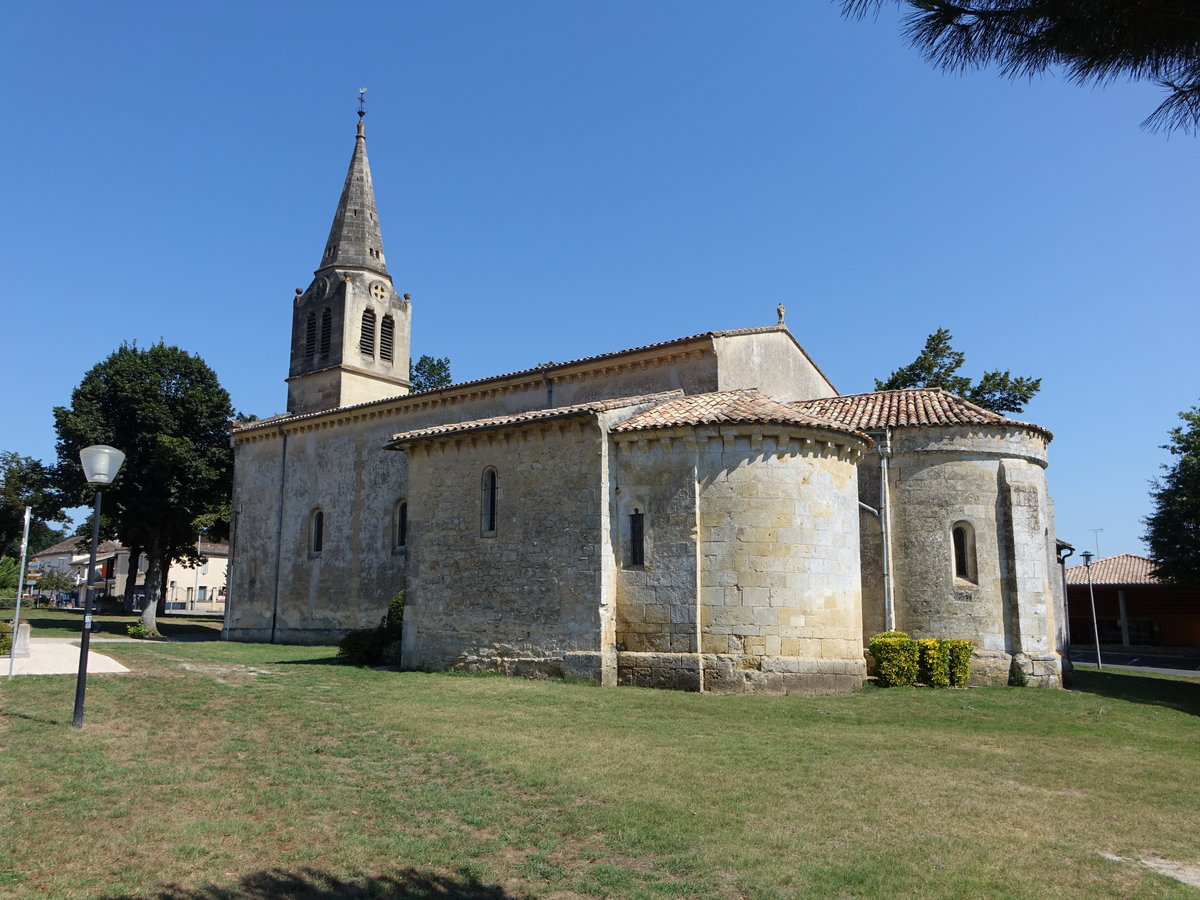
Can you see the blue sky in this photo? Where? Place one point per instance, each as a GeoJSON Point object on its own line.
{"type": "Point", "coordinates": [560, 179]}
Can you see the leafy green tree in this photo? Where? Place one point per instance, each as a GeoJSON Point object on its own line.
{"type": "Point", "coordinates": [937, 367]}
{"type": "Point", "coordinates": [26, 482]}
{"type": "Point", "coordinates": [10, 572]}
{"type": "Point", "coordinates": [166, 410]}
{"type": "Point", "coordinates": [55, 580]}
{"type": "Point", "coordinates": [1094, 41]}
{"type": "Point", "coordinates": [428, 373]}
{"type": "Point", "coordinates": [1173, 529]}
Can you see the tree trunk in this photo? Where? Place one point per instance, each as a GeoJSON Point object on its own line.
{"type": "Point", "coordinates": [135, 555]}
{"type": "Point", "coordinates": [154, 576]}
{"type": "Point", "coordinates": [162, 589]}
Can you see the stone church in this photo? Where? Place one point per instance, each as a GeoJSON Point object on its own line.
{"type": "Point", "coordinates": [706, 513]}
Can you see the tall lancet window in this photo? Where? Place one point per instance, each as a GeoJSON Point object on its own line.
{"type": "Point", "coordinates": [326, 329]}
{"type": "Point", "coordinates": [637, 538]}
{"type": "Point", "coordinates": [963, 536]}
{"type": "Point", "coordinates": [387, 338]}
{"type": "Point", "coordinates": [366, 340]}
{"type": "Point", "coordinates": [316, 532]}
{"type": "Point", "coordinates": [310, 336]}
{"type": "Point", "coordinates": [487, 506]}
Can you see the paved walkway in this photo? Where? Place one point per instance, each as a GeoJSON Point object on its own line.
{"type": "Point", "coordinates": [60, 656]}
{"type": "Point", "coordinates": [1162, 664]}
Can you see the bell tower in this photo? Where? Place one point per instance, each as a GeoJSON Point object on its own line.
{"type": "Point", "coordinates": [350, 329]}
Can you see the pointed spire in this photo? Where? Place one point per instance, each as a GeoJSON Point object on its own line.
{"type": "Point", "coordinates": [355, 240]}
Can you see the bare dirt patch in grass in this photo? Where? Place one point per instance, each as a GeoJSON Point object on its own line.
{"type": "Point", "coordinates": [1185, 872]}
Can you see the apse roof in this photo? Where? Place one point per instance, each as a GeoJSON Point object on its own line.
{"type": "Point", "coordinates": [906, 408]}
{"type": "Point", "coordinates": [722, 407]}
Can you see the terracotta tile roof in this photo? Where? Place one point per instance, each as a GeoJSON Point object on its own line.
{"type": "Point", "coordinates": [106, 550]}
{"type": "Point", "coordinates": [1125, 568]}
{"type": "Point", "coordinates": [77, 546]}
{"type": "Point", "coordinates": [906, 408]}
{"type": "Point", "coordinates": [727, 407]}
{"type": "Point", "coordinates": [533, 415]}
{"type": "Point", "coordinates": [520, 373]}
{"type": "Point", "coordinates": [707, 335]}
{"type": "Point", "coordinates": [68, 546]}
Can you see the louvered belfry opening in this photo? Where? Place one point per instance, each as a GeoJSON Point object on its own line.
{"type": "Point", "coordinates": [366, 340]}
{"type": "Point", "coordinates": [387, 338]}
{"type": "Point", "coordinates": [310, 336]}
{"type": "Point", "coordinates": [326, 329]}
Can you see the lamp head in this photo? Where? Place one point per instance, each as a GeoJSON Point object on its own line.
{"type": "Point", "coordinates": [101, 463]}
{"type": "Point", "coordinates": [1087, 557]}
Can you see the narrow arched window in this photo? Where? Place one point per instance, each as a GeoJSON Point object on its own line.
{"type": "Point", "coordinates": [964, 552]}
{"type": "Point", "coordinates": [366, 340]}
{"type": "Point", "coordinates": [326, 330]}
{"type": "Point", "coordinates": [637, 538]}
{"type": "Point", "coordinates": [387, 338]}
{"type": "Point", "coordinates": [400, 525]}
{"type": "Point", "coordinates": [310, 336]}
{"type": "Point", "coordinates": [316, 532]}
{"type": "Point", "coordinates": [488, 502]}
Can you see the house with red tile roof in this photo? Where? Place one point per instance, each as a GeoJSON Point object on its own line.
{"type": "Point", "coordinates": [703, 513]}
{"type": "Point", "coordinates": [192, 587]}
{"type": "Point", "coordinates": [1134, 609]}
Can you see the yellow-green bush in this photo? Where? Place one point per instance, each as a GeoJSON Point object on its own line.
{"type": "Point", "coordinates": [896, 658]}
{"type": "Point", "coordinates": [6, 638]}
{"type": "Point", "coordinates": [960, 661]}
{"type": "Point", "coordinates": [934, 666]}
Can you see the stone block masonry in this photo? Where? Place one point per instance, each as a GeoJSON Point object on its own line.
{"type": "Point", "coordinates": [518, 592]}
{"type": "Point", "coordinates": [766, 523]}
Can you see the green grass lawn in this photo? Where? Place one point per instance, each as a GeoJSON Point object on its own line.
{"type": "Point", "coordinates": [53, 622]}
{"type": "Point", "coordinates": [220, 770]}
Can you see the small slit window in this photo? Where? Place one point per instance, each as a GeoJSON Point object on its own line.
{"type": "Point", "coordinates": [310, 336]}
{"type": "Point", "coordinates": [400, 525]}
{"type": "Point", "coordinates": [316, 532]}
{"type": "Point", "coordinates": [963, 536]}
{"type": "Point", "coordinates": [326, 330]}
{"type": "Point", "coordinates": [637, 538]}
{"type": "Point", "coordinates": [488, 502]}
{"type": "Point", "coordinates": [387, 338]}
{"type": "Point", "coordinates": [366, 340]}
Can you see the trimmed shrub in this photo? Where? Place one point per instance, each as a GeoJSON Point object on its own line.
{"type": "Point", "coordinates": [934, 665]}
{"type": "Point", "coordinates": [6, 638]}
{"type": "Point", "coordinates": [1016, 675]}
{"type": "Point", "coordinates": [376, 646]}
{"type": "Point", "coordinates": [394, 618]}
{"type": "Point", "coordinates": [896, 658]}
{"type": "Point", "coordinates": [960, 661]}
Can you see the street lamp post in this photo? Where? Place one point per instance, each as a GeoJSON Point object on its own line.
{"type": "Point", "coordinates": [100, 466]}
{"type": "Point", "coordinates": [1087, 564]}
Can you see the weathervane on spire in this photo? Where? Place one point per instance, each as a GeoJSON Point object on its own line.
{"type": "Point", "coordinates": [362, 102]}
